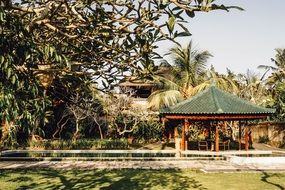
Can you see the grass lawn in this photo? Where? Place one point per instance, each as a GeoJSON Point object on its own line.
{"type": "Point", "coordinates": [137, 179]}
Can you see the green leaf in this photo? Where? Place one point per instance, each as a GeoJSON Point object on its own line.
{"type": "Point", "coordinates": [177, 15]}
{"type": "Point", "coordinates": [235, 7]}
{"type": "Point", "coordinates": [46, 50]}
{"type": "Point", "coordinates": [51, 51]}
{"type": "Point", "coordinates": [1, 16]}
{"type": "Point", "coordinates": [191, 14]}
{"type": "Point", "coordinates": [181, 34]}
{"type": "Point", "coordinates": [176, 8]}
{"type": "Point", "coordinates": [171, 23]}
{"type": "Point", "coordinates": [199, 1]}
{"type": "Point", "coordinates": [163, 6]}
{"type": "Point", "coordinates": [56, 58]}
{"type": "Point", "coordinates": [6, 64]}
{"type": "Point", "coordinates": [131, 41]}
{"type": "Point", "coordinates": [156, 34]}
{"type": "Point", "coordinates": [184, 28]}
{"type": "Point", "coordinates": [2, 59]}
{"type": "Point", "coordinates": [13, 79]}
{"type": "Point", "coordinates": [9, 71]}
{"type": "Point", "coordinates": [105, 84]}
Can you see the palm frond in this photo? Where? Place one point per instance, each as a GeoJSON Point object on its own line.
{"type": "Point", "coordinates": [267, 67]}
{"type": "Point", "coordinates": [199, 88]}
{"type": "Point", "coordinates": [163, 98]}
{"type": "Point", "coordinates": [165, 83]}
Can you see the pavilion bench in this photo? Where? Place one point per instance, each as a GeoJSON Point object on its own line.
{"type": "Point", "coordinates": [225, 145]}
{"type": "Point", "coordinates": [203, 145]}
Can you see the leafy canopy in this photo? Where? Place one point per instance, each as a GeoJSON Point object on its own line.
{"type": "Point", "coordinates": [59, 44]}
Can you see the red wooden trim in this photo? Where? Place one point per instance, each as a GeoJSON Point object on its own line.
{"type": "Point", "coordinates": [215, 117]}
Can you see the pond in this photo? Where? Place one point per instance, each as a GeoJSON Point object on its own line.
{"type": "Point", "coordinates": [276, 158]}
{"type": "Point", "coordinates": [57, 155]}
{"type": "Point", "coordinates": [83, 154]}
{"type": "Point", "coordinates": [103, 155]}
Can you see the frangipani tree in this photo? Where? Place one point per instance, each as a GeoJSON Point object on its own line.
{"type": "Point", "coordinates": [91, 41]}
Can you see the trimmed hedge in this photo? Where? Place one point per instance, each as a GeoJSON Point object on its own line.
{"type": "Point", "coordinates": [88, 144]}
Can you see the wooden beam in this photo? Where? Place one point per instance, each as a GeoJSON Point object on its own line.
{"type": "Point", "coordinates": [215, 117]}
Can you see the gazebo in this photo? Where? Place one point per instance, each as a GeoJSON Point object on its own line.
{"type": "Point", "coordinates": [213, 104]}
{"type": "Point", "coordinates": [141, 88]}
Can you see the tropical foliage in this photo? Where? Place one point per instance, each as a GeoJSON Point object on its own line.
{"type": "Point", "coordinates": [50, 50]}
{"type": "Point", "coordinates": [252, 87]}
{"type": "Point", "coordinates": [275, 83]}
{"type": "Point", "coordinates": [186, 77]}
{"type": "Point", "coordinates": [60, 61]}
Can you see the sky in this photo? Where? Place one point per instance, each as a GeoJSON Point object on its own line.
{"type": "Point", "coordinates": [239, 40]}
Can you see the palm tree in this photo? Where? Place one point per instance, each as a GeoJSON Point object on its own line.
{"type": "Point", "coordinates": [190, 66]}
{"type": "Point", "coordinates": [252, 87]}
{"type": "Point", "coordinates": [185, 78]}
{"type": "Point", "coordinates": [278, 71]}
{"type": "Point", "coordinates": [275, 83]}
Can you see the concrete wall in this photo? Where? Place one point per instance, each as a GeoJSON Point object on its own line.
{"type": "Point", "coordinates": [275, 131]}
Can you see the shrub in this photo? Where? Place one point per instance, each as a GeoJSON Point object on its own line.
{"type": "Point", "coordinates": [282, 145]}
{"type": "Point", "coordinates": [148, 131]}
{"type": "Point", "coordinates": [263, 139]}
{"type": "Point", "coordinates": [80, 144]}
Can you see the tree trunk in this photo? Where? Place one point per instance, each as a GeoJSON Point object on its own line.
{"type": "Point", "coordinates": [100, 131]}
{"type": "Point", "coordinates": [75, 135]}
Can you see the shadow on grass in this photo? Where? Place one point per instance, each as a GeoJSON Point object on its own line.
{"type": "Point", "coordinates": [158, 179]}
{"type": "Point", "coordinates": [102, 179]}
{"type": "Point", "coordinates": [266, 177]}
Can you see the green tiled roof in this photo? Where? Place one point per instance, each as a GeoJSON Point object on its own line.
{"type": "Point", "coordinates": [214, 101]}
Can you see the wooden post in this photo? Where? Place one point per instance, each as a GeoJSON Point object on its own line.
{"type": "Point", "coordinates": [163, 126]}
{"type": "Point", "coordinates": [185, 127]}
{"type": "Point", "coordinates": [239, 135]}
{"type": "Point", "coordinates": [163, 122]}
{"type": "Point", "coordinates": [210, 135]}
{"type": "Point", "coordinates": [177, 142]}
{"type": "Point", "coordinates": [217, 138]}
{"type": "Point", "coordinates": [183, 136]}
{"type": "Point", "coordinates": [175, 132]}
{"type": "Point", "coordinates": [246, 139]}
{"type": "Point", "coordinates": [210, 130]}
